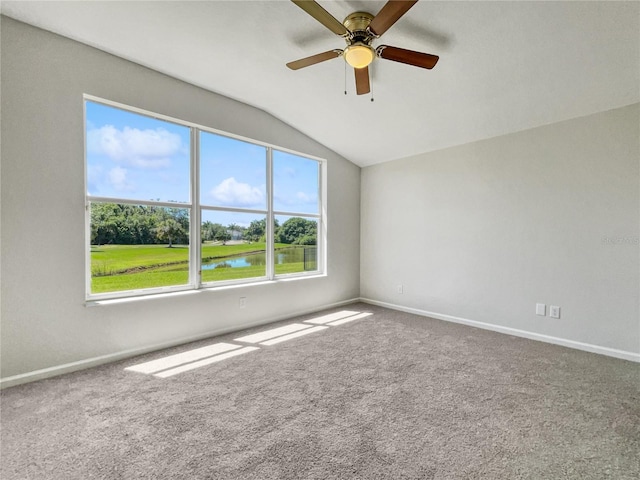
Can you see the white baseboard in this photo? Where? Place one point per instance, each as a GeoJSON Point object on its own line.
{"type": "Point", "coordinates": [113, 357]}
{"type": "Point", "coordinates": [610, 352]}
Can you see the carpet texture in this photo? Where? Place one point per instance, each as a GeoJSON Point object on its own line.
{"type": "Point", "coordinates": [387, 396]}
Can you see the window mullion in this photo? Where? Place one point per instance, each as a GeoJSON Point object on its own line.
{"type": "Point", "coordinates": [322, 238]}
{"type": "Point", "coordinates": [194, 238]}
{"type": "Point", "coordinates": [87, 244]}
{"type": "Point", "coordinates": [270, 217]}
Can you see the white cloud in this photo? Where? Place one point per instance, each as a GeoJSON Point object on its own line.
{"type": "Point", "coordinates": [135, 147]}
{"type": "Point", "coordinates": [118, 179]}
{"type": "Point", "coordinates": [230, 192]}
{"type": "Point", "coordinates": [291, 199]}
{"type": "Point", "coordinates": [94, 175]}
{"type": "Point", "coordinates": [304, 198]}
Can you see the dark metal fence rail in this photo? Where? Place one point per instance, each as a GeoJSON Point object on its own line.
{"type": "Point", "coordinates": [310, 258]}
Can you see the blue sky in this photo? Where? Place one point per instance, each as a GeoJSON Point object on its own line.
{"type": "Point", "coordinates": [137, 157]}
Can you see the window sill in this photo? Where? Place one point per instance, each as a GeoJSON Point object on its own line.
{"type": "Point", "coordinates": [95, 302]}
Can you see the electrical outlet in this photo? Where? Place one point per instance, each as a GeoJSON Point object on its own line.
{"type": "Point", "coordinates": [242, 302]}
{"type": "Point", "coordinates": [541, 309]}
{"type": "Point", "coordinates": [554, 312]}
{"type": "Point", "coordinates": [400, 289]}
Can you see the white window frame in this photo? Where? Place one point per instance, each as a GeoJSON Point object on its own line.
{"type": "Point", "coordinates": [195, 208]}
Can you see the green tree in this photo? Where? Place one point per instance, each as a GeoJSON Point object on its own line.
{"type": "Point", "coordinates": [256, 230]}
{"type": "Point", "coordinates": [168, 230]}
{"type": "Point", "coordinates": [223, 236]}
{"type": "Point", "coordinates": [211, 231]}
{"type": "Point", "coordinates": [297, 231]}
{"type": "Point", "coordinates": [306, 240]}
{"type": "Point", "coordinates": [124, 224]}
{"type": "Point", "coordinates": [104, 223]}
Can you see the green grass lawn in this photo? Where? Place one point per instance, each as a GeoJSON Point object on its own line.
{"type": "Point", "coordinates": [131, 267]}
{"type": "Point", "coordinates": [111, 259]}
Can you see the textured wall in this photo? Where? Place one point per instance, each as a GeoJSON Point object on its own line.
{"type": "Point", "coordinates": [45, 322]}
{"type": "Point", "coordinates": [486, 230]}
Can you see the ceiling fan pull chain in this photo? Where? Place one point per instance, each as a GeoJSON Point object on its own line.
{"type": "Point", "coordinates": [371, 84]}
{"type": "Point", "coordinates": [345, 78]}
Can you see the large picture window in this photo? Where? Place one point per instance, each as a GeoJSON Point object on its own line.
{"type": "Point", "coordinates": [175, 206]}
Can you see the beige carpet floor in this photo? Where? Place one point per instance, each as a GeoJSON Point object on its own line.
{"type": "Point", "coordinates": [384, 396]}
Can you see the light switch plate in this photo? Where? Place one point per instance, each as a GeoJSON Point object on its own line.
{"type": "Point", "coordinates": [554, 312]}
{"type": "Point", "coordinates": [541, 309]}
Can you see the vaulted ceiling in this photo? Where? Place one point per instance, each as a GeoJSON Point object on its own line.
{"type": "Point", "coordinates": [504, 66]}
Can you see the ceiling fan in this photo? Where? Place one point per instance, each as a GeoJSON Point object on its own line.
{"type": "Point", "coordinates": [360, 30]}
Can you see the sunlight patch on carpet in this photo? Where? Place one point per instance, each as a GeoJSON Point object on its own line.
{"type": "Point", "coordinates": [331, 317]}
{"type": "Point", "coordinates": [202, 363]}
{"type": "Point", "coordinates": [291, 336]}
{"type": "Point", "coordinates": [199, 357]}
{"type": "Point", "coordinates": [182, 358]}
{"type": "Point", "coordinates": [272, 333]}
{"type": "Point", "coordinates": [349, 319]}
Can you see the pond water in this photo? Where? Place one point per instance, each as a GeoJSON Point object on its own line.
{"type": "Point", "coordinates": [282, 255]}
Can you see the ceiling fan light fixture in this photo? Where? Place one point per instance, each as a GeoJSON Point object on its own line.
{"type": "Point", "coordinates": [359, 55]}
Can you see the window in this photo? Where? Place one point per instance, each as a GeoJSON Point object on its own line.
{"type": "Point", "coordinates": [176, 206]}
{"type": "Point", "coordinates": [296, 208]}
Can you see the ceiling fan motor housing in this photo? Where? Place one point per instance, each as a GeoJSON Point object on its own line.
{"type": "Point", "coordinates": [360, 30]}
{"type": "Point", "coordinates": [357, 23]}
{"type": "Point", "coordinates": [359, 52]}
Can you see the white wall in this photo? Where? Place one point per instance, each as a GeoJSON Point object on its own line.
{"type": "Point", "coordinates": [484, 231]}
{"type": "Point", "coordinates": [45, 322]}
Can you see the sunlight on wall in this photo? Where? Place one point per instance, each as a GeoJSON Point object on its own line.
{"type": "Point", "coordinates": [199, 357]}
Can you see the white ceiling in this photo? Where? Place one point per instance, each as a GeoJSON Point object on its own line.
{"type": "Point", "coordinates": [504, 66]}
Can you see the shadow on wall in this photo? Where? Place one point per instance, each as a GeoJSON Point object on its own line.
{"type": "Point", "coordinates": [199, 357]}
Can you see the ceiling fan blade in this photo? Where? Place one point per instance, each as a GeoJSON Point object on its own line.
{"type": "Point", "coordinates": [390, 14]}
{"type": "Point", "coordinates": [313, 59]}
{"type": "Point", "coordinates": [417, 59]}
{"type": "Point", "coordinates": [362, 80]}
{"type": "Point", "coordinates": [321, 15]}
